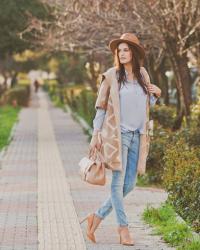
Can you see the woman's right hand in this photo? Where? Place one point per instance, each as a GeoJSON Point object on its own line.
{"type": "Point", "coordinates": [95, 143]}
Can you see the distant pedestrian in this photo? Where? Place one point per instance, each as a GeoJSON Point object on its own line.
{"type": "Point", "coordinates": [36, 85]}
{"type": "Point", "coordinates": [120, 120]}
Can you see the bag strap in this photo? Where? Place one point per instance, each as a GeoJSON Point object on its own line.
{"type": "Point", "coordinates": [100, 156]}
{"type": "Point", "coordinates": [97, 154]}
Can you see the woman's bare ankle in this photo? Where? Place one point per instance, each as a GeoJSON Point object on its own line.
{"type": "Point", "coordinates": [96, 221]}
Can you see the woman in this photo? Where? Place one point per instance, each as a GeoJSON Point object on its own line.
{"type": "Point", "coordinates": [120, 120]}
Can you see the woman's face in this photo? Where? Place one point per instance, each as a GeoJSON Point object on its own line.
{"type": "Point", "coordinates": [124, 53]}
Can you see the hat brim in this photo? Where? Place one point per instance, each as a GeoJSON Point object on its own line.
{"type": "Point", "coordinates": [114, 43]}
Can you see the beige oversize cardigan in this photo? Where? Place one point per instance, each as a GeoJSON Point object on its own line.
{"type": "Point", "coordinates": [108, 99]}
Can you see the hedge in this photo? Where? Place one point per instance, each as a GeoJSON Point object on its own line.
{"type": "Point", "coordinates": [18, 95]}
{"type": "Point", "coordinates": [182, 180]}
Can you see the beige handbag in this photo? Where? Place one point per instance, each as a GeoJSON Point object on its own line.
{"type": "Point", "coordinates": [92, 170]}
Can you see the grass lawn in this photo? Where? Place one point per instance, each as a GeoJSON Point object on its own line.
{"type": "Point", "coordinates": [8, 116]}
{"type": "Point", "coordinates": [165, 222]}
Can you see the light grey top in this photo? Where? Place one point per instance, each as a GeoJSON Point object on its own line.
{"type": "Point", "coordinates": [132, 108]}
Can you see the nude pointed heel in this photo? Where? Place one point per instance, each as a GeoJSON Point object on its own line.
{"type": "Point", "coordinates": [90, 219]}
{"type": "Point", "coordinates": [124, 237]}
{"type": "Point", "coordinates": [92, 224]}
{"type": "Point", "coordinates": [84, 219]}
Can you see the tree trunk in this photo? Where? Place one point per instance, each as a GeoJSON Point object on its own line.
{"type": "Point", "coordinates": [5, 81]}
{"type": "Point", "coordinates": [183, 84]}
{"type": "Point", "coordinates": [156, 80]}
{"type": "Point", "coordinates": [186, 80]}
{"type": "Point", "coordinates": [14, 79]}
{"type": "Point", "coordinates": [165, 85]}
{"type": "Point", "coordinates": [178, 121]}
{"type": "Point", "coordinates": [93, 74]}
{"type": "Point", "coordinates": [158, 76]}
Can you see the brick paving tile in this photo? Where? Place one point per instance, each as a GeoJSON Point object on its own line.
{"type": "Point", "coordinates": [58, 225]}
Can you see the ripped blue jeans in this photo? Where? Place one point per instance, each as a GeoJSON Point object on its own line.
{"type": "Point", "coordinates": [123, 181]}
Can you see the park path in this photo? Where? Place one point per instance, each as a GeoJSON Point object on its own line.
{"type": "Point", "coordinates": [42, 198]}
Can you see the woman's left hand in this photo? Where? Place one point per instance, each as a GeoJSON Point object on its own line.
{"type": "Point", "coordinates": [153, 89]}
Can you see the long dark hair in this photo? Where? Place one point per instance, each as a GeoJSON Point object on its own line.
{"type": "Point", "coordinates": [136, 64]}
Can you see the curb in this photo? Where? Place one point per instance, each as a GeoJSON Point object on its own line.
{"type": "Point", "coordinates": [181, 220]}
{"type": "Point", "coordinates": [80, 120]}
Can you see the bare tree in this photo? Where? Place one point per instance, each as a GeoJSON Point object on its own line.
{"type": "Point", "coordinates": [167, 28]}
{"type": "Point", "coordinates": [85, 27]}
{"type": "Point", "coordinates": [178, 23]}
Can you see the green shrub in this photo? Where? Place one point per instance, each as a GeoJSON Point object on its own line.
{"type": "Point", "coordinates": [194, 136]}
{"type": "Point", "coordinates": [52, 89]}
{"type": "Point", "coordinates": [164, 138]}
{"type": "Point", "coordinates": [160, 141]}
{"type": "Point", "coordinates": [181, 179]}
{"type": "Point", "coordinates": [165, 115]}
{"type": "Point", "coordinates": [18, 95]}
{"type": "Point", "coordinates": [80, 99]}
{"type": "Point", "coordinates": [194, 131]}
{"type": "Point", "coordinates": [45, 87]}
{"type": "Point", "coordinates": [84, 105]}
{"type": "Point", "coordinates": [71, 93]}
{"type": "Point", "coordinates": [194, 139]}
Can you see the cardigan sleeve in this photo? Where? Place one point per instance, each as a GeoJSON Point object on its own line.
{"type": "Point", "coordinates": [103, 94]}
{"type": "Point", "coordinates": [99, 118]}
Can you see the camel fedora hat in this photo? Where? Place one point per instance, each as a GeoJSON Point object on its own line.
{"type": "Point", "coordinates": [130, 39]}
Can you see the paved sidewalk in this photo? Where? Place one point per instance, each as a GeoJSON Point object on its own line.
{"type": "Point", "coordinates": [31, 166]}
{"type": "Point", "coordinates": [42, 197]}
{"type": "Point", "coordinates": [18, 185]}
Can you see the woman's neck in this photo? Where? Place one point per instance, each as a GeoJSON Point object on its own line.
{"type": "Point", "coordinates": [128, 68]}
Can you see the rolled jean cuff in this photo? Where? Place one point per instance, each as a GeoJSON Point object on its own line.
{"type": "Point", "coordinates": [98, 215]}
{"type": "Point", "coordinates": [123, 225]}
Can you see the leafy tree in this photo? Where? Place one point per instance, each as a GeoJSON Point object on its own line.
{"type": "Point", "coordinates": [15, 16]}
{"type": "Point", "coordinates": [69, 67]}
